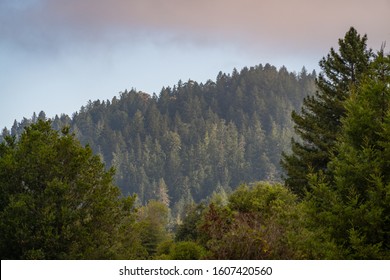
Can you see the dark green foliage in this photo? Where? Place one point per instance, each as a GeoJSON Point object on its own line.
{"type": "Point", "coordinates": [354, 207]}
{"type": "Point", "coordinates": [187, 229]}
{"type": "Point", "coordinates": [57, 199]}
{"type": "Point", "coordinates": [318, 123]}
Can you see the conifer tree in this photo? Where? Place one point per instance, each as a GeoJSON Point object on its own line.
{"type": "Point", "coordinates": [354, 207]}
{"type": "Point", "coordinates": [318, 124]}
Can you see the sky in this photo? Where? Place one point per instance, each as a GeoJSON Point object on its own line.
{"type": "Point", "coordinates": [55, 55]}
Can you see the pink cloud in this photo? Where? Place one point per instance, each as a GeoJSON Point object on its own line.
{"type": "Point", "coordinates": [293, 24]}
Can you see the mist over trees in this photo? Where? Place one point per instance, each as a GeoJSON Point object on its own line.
{"type": "Point", "coordinates": [260, 164]}
{"type": "Point", "coordinates": [193, 139]}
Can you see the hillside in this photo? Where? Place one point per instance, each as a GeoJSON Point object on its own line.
{"type": "Point", "coordinates": [193, 139]}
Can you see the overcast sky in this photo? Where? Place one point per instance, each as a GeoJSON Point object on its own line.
{"type": "Point", "coordinates": [55, 55]}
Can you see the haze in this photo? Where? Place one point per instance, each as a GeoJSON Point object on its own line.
{"type": "Point", "coordinates": [57, 54]}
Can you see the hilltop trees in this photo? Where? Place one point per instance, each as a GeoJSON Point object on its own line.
{"type": "Point", "coordinates": [193, 138]}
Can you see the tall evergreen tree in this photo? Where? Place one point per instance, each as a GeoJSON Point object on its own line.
{"type": "Point", "coordinates": [354, 207]}
{"type": "Point", "coordinates": [318, 124]}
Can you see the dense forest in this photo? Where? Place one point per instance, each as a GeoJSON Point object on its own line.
{"type": "Point", "coordinates": [260, 164]}
{"type": "Point", "coordinates": [193, 139]}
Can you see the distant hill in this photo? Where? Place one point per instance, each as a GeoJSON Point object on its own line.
{"type": "Point", "coordinates": [193, 139]}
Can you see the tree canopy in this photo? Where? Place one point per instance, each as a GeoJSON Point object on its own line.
{"type": "Point", "coordinates": [57, 199]}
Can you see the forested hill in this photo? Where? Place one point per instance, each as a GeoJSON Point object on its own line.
{"type": "Point", "coordinates": [193, 139]}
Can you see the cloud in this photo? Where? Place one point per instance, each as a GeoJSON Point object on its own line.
{"type": "Point", "coordinates": [253, 23]}
{"type": "Point", "coordinates": [70, 48]}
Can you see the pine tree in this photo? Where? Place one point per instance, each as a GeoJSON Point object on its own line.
{"type": "Point", "coordinates": [354, 207]}
{"type": "Point", "coordinates": [318, 124]}
{"type": "Point", "coordinates": [162, 192]}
